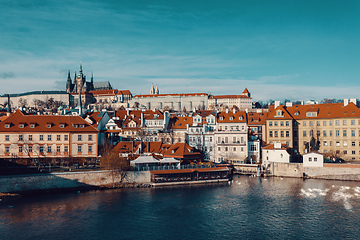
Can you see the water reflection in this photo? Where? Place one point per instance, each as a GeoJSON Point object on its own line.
{"type": "Point", "coordinates": [270, 207]}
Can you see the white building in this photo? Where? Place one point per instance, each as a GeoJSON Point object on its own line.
{"type": "Point", "coordinates": [243, 101]}
{"type": "Point", "coordinates": [231, 137]}
{"type": "Point", "coordinates": [313, 159]}
{"type": "Point", "coordinates": [276, 152]}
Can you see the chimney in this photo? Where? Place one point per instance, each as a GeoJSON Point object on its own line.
{"type": "Point", "coordinates": [227, 110]}
{"type": "Point", "coordinates": [353, 100]}
{"type": "Point", "coordinates": [277, 145]}
{"type": "Point", "coordinates": [277, 104]}
{"type": "Point", "coordinates": [346, 102]}
{"type": "Point", "coordinates": [234, 110]}
{"type": "Point", "coordinates": [289, 104]}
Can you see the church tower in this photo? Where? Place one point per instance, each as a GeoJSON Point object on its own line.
{"type": "Point", "coordinates": [156, 90]}
{"type": "Point", "coordinates": [152, 91]}
{"type": "Point", "coordinates": [69, 85]}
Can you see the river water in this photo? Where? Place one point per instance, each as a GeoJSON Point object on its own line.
{"type": "Point", "coordinates": [248, 208]}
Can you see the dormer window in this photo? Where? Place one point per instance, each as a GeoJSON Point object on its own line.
{"type": "Point", "coordinates": [21, 125]}
{"type": "Point", "coordinates": [296, 114]}
{"type": "Point", "coordinates": [82, 125]}
{"type": "Point", "coordinates": [241, 118]}
{"type": "Point", "coordinates": [75, 125]}
{"type": "Point", "coordinates": [221, 118]}
{"type": "Point", "coordinates": [48, 125]}
{"type": "Point", "coordinates": [32, 125]}
{"type": "Point", "coordinates": [231, 118]}
{"type": "Point", "coordinates": [62, 125]}
{"type": "Point", "coordinates": [7, 125]}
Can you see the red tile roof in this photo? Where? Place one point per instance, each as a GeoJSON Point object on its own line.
{"type": "Point", "coordinates": [228, 96]}
{"type": "Point", "coordinates": [182, 151]}
{"type": "Point", "coordinates": [230, 117]}
{"type": "Point", "coordinates": [174, 94]}
{"type": "Point", "coordinates": [45, 123]}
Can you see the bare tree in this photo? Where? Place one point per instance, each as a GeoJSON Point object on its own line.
{"type": "Point", "coordinates": [117, 166]}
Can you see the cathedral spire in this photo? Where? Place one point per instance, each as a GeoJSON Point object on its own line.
{"type": "Point", "coordinates": [152, 91]}
{"type": "Point", "coordinates": [156, 90]}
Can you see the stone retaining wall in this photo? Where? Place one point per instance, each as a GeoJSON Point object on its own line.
{"type": "Point", "coordinates": [67, 180]}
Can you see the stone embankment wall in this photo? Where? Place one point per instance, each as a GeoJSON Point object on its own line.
{"type": "Point", "coordinates": [329, 171]}
{"type": "Point", "coordinates": [67, 180]}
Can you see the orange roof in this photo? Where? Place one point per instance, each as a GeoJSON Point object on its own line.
{"type": "Point", "coordinates": [45, 123]}
{"type": "Point", "coordinates": [230, 117]}
{"type": "Point", "coordinates": [126, 147]}
{"type": "Point", "coordinates": [174, 171]}
{"type": "Point", "coordinates": [173, 94]}
{"type": "Point", "coordinates": [104, 92]}
{"type": "Point", "coordinates": [257, 118]}
{"type": "Point", "coordinates": [323, 111]}
{"type": "Point", "coordinates": [183, 151]}
{"type": "Point", "coordinates": [124, 92]}
{"type": "Point", "coordinates": [181, 122]}
{"type": "Point", "coordinates": [228, 96]}
{"type": "Point", "coordinates": [246, 91]}
{"type": "Point", "coordinates": [271, 146]}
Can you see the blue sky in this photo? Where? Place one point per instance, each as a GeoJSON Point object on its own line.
{"type": "Point", "coordinates": [277, 49]}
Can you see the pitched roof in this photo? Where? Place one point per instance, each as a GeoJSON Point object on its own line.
{"type": "Point", "coordinates": [173, 94]}
{"type": "Point", "coordinates": [18, 122]}
{"type": "Point", "coordinates": [179, 122]}
{"type": "Point", "coordinates": [228, 96]}
{"type": "Point", "coordinates": [231, 117]}
{"type": "Point", "coordinates": [323, 111]}
{"type": "Point", "coordinates": [182, 151]}
{"type": "Point", "coordinates": [257, 118]}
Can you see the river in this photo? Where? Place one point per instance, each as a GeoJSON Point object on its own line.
{"type": "Point", "coordinates": [248, 208]}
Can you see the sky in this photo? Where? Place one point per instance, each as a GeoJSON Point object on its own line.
{"type": "Point", "coordinates": [278, 49]}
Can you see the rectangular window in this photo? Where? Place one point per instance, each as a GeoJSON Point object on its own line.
{"type": "Point", "coordinates": [30, 149]}
{"type": "Point", "coordinates": [310, 123]}
{"type": "Point", "coordinates": [58, 138]}
{"type": "Point", "coordinates": [353, 152]}
{"type": "Point", "coordinates": [58, 149]}
{"type": "Point", "coordinates": [7, 138]}
{"type": "Point", "coordinates": [318, 133]}
{"type": "Point", "coordinates": [352, 122]}
{"type": "Point", "coordinates": [270, 123]}
{"type": "Point", "coordinates": [66, 148]}
{"type": "Point", "coordinates": [337, 143]}
{"type": "Point", "coordinates": [226, 139]}
{"type": "Point", "coordinates": [90, 137]}
{"type": "Point", "coordinates": [330, 133]}
{"type": "Point", "coordinates": [353, 133]}
{"type": "Point", "coordinates": [20, 149]}
{"type": "Point", "coordinates": [276, 133]}
{"type": "Point", "coordinates": [304, 133]}
{"type": "Point", "coordinates": [310, 159]}
{"type": "Point", "coordinates": [315, 159]}
{"type": "Point", "coordinates": [353, 144]}
{"type": "Point", "coordinates": [7, 149]}
{"type": "Point", "coordinates": [345, 143]}
{"type": "Point", "coordinates": [49, 137]}
{"type": "Point", "coordinates": [304, 123]}
{"type": "Point", "coordinates": [344, 122]}
{"type": "Point", "coordinates": [66, 137]}
{"type": "Point", "coordinates": [90, 148]}
{"type": "Point", "coordinates": [345, 152]}
{"type": "Point", "coordinates": [282, 133]}
{"type": "Point", "coordinates": [271, 133]}
{"type": "Point", "coordinates": [79, 148]}
{"type": "Point", "coordinates": [287, 134]}
{"type": "Point", "coordinates": [317, 123]}
{"type": "Point", "coordinates": [324, 123]}
{"type": "Point", "coordinates": [21, 137]}
{"type": "Point", "coordinates": [337, 122]}
{"type": "Point", "coordinates": [30, 138]}
{"type": "Point", "coordinates": [281, 123]}
{"type": "Point", "coordinates": [325, 143]}
{"type": "Point", "coordinates": [41, 149]}
{"type": "Point", "coordinates": [49, 149]}
{"type": "Point", "coordinates": [330, 143]}
{"type": "Point", "coordinates": [287, 123]}
{"type": "Point", "coordinates": [324, 133]}
{"type": "Point", "coordinates": [275, 123]}
{"type": "Point", "coordinates": [79, 137]}
{"type": "Point", "coordinates": [41, 137]}
{"type": "Point", "coordinates": [330, 123]}
{"type": "Point", "coordinates": [344, 133]}
{"type": "Point", "coordinates": [337, 133]}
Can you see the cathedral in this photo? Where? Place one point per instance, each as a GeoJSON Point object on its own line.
{"type": "Point", "coordinates": [81, 85]}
